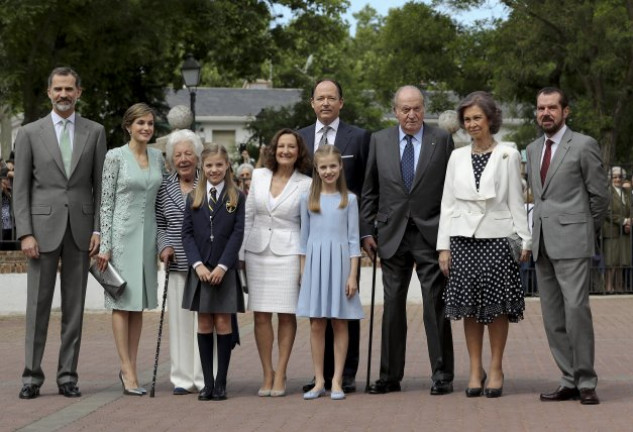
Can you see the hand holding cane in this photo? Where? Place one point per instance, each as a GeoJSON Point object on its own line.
{"type": "Point", "coordinates": [160, 328]}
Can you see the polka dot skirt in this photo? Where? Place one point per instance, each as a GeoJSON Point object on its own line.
{"type": "Point", "coordinates": [484, 280]}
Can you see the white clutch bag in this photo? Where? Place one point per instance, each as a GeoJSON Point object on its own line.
{"type": "Point", "coordinates": [110, 280]}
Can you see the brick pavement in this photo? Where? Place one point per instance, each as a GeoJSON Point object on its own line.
{"type": "Point", "coordinates": [528, 368]}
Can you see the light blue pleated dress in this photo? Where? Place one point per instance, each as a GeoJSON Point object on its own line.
{"type": "Point", "coordinates": [328, 239]}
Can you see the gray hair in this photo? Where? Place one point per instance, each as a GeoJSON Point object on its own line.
{"type": "Point", "coordinates": [394, 102]}
{"type": "Point", "coordinates": [182, 135]}
{"type": "Point", "coordinates": [244, 166]}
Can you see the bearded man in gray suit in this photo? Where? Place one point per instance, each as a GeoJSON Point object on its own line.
{"type": "Point", "coordinates": [57, 195]}
{"type": "Point", "coordinates": [402, 194]}
{"type": "Point", "coordinates": [571, 199]}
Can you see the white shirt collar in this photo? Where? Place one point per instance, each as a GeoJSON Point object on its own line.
{"type": "Point", "coordinates": [333, 125]}
{"type": "Point", "coordinates": [558, 136]}
{"type": "Point", "coordinates": [57, 118]}
{"type": "Point", "coordinates": [218, 188]}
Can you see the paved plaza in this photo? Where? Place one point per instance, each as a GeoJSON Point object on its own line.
{"type": "Point", "coordinates": [529, 370]}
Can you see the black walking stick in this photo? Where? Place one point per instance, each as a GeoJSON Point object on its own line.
{"type": "Point", "coordinates": [160, 329]}
{"type": "Point", "coordinates": [371, 311]}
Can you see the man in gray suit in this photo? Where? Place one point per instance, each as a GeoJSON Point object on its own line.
{"type": "Point", "coordinates": [57, 192]}
{"type": "Point", "coordinates": [571, 199]}
{"type": "Point", "coordinates": [402, 194]}
{"type": "Point", "coordinates": [353, 142]}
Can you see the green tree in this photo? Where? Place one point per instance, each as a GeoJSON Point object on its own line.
{"type": "Point", "coordinates": [583, 46]}
{"type": "Point", "coordinates": [128, 51]}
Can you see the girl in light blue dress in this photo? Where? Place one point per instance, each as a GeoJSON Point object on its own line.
{"type": "Point", "coordinates": [330, 257]}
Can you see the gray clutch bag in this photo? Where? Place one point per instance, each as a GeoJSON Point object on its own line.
{"type": "Point", "coordinates": [110, 280]}
{"type": "Point", "coordinates": [516, 244]}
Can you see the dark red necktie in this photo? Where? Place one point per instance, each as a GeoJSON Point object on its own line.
{"type": "Point", "coordinates": [546, 160]}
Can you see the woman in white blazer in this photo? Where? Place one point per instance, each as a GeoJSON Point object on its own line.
{"type": "Point", "coordinates": [482, 206]}
{"type": "Point", "coordinates": [271, 251]}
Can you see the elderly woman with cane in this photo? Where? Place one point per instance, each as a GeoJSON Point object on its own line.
{"type": "Point", "coordinates": [183, 151]}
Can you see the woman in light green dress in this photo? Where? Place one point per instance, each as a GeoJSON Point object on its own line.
{"type": "Point", "coordinates": [132, 175]}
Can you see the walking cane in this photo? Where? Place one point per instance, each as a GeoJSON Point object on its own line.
{"type": "Point", "coordinates": [160, 329]}
{"type": "Point", "coordinates": [371, 313]}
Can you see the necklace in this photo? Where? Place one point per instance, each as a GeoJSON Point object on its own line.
{"type": "Point", "coordinates": [483, 150]}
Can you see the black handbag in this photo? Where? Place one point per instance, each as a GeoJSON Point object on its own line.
{"type": "Point", "coordinates": [110, 280]}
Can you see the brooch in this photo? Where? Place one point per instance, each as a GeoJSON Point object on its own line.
{"type": "Point", "coordinates": [505, 155]}
{"type": "Point", "coordinates": [229, 207]}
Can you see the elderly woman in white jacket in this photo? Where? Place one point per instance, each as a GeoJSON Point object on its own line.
{"type": "Point", "coordinates": [482, 209]}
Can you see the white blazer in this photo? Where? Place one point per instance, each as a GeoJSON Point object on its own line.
{"type": "Point", "coordinates": [279, 226]}
{"type": "Point", "coordinates": [495, 210]}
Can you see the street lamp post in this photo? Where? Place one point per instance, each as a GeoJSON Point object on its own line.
{"type": "Point", "coordinates": [190, 71]}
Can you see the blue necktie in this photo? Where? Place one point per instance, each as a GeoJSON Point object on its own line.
{"type": "Point", "coordinates": [407, 163]}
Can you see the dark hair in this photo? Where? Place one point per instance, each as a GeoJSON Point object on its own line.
{"type": "Point", "coordinates": [487, 104]}
{"type": "Point", "coordinates": [64, 71]}
{"type": "Point", "coordinates": [302, 164]}
{"type": "Point", "coordinates": [135, 111]}
{"type": "Point", "coordinates": [564, 102]}
{"type": "Point", "coordinates": [336, 83]}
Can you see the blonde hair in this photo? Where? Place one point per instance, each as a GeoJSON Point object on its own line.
{"type": "Point", "coordinates": [200, 192]}
{"type": "Point", "coordinates": [314, 199]}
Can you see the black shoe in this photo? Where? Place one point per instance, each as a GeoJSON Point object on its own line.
{"type": "Point", "coordinates": [561, 394]}
{"type": "Point", "coordinates": [29, 391]}
{"type": "Point", "coordinates": [382, 387]}
{"type": "Point", "coordinates": [495, 392]}
{"type": "Point", "coordinates": [349, 384]}
{"type": "Point", "coordinates": [69, 390]}
{"type": "Point", "coordinates": [476, 391]}
{"type": "Point", "coordinates": [441, 387]}
{"type": "Point", "coordinates": [309, 386]}
{"type": "Point", "coordinates": [206, 394]}
{"type": "Point", "coordinates": [219, 392]}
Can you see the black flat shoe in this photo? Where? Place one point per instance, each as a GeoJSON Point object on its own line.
{"type": "Point", "coordinates": [29, 391]}
{"type": "Point", "coordinates": [349, 384]}
{"type": "Point", "coordinates": [476, 391]}
{"type": "Point", "coordinates": [495, 392]}
{"type": "Point", "coordinates": [69, 390]}
{"type": "Point", "coordinates": [206, 394]}
{"type": "Point", "coordinates": [219, 392]}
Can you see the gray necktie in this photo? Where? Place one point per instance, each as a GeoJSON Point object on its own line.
{"type": "Point", "coordinates": [323, 140]}
{"type": "Point", "coordinates": [64, 146]}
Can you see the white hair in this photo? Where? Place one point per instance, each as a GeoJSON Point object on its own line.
{"type": "Point", "coordinates": [244, 166]}
{"type": "Point", "coordinates": [182, 135]}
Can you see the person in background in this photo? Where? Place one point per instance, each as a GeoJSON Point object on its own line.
{"type": "Point", "coordinates": [56, 198]}
{"type": "Point", "coordinates": [132, 175]}
{"type": "Point", "coordinates": [6, 220]}
{"type": "Point", "coordinates": [484, 284]}
{"type": "Point", "coordinates": [271, 252]}
{"type": "Point", "coordinates": [183, 151]}
{"type": "Point", "coordinates": [244, 175]}
{"type": "Point", "coordinates": [616, 232]}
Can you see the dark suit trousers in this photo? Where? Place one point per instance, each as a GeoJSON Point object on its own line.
{"type": "Point", "coordinates": [564, 291]}
{"type": "Point", "coordinates": [41, 275]}
{"type": "Point", "coordinates": [397, 272]}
